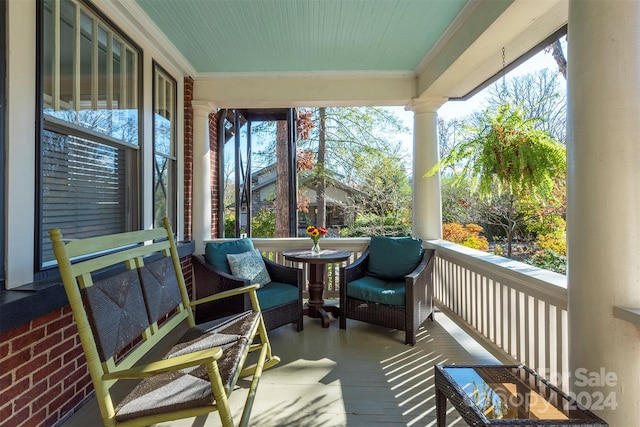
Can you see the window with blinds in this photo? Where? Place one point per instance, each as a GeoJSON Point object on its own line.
{"type": "Point", "coordinates": [89, 149]}
{"type": "Point", "coordinates": [82, 188]}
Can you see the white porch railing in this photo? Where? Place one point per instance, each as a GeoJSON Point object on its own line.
{"type": "Point", "coordinates": [273, 248]}
{"type": "Point", "coordinates": [518, 311]}
{"type": "Point", "coordinates": [513, 307]}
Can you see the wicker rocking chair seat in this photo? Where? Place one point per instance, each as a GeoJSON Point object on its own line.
{"type": "Point", "coordinates": [191, 388]}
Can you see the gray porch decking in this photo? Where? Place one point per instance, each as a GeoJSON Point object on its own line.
{"type": "Point", "coordinates": [363, 376]}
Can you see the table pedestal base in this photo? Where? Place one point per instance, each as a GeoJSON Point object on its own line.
{"type": "Point", "coordinates": [321, 312]}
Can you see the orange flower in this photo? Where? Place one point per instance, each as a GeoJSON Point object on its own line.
{"type": "Point", "coordinates": [316, 232]}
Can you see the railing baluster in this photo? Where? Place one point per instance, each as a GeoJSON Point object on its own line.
{"type": "Point", "coordinates": [547, 338]}
{"type": "Point", "coordinates": [494, 307]}
{"type": "Point", "coordinates": [508, 319]}
{"type": "Point", "coordinates": [527, 329]}
{"type": "Point", "coordinates": [535, 360]}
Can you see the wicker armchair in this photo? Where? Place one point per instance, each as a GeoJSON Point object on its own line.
{"type": "Point", "coordinates": [406, 315]}
{"type": "Point", "coordinates": [209, 281]}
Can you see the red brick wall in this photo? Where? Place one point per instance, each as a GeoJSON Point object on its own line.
{"type": "Point", "coordinates": [43, 372]}
{"type": "Point", "coordinates": [188, 158]}
{"type": "Point", "coordinates": [213, 149]}
{"type": "Point", "coordinates": [187, 273]}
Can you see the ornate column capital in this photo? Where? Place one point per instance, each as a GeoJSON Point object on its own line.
{"type": "Point", "coordinates": [426, 105]}
{"type": "Point", "coordinates": [202, 107]}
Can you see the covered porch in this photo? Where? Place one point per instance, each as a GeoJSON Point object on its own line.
{"type": "Point", "coordinates": [588, 320]}
{"type": "Point", "coordinates": [489, 311]}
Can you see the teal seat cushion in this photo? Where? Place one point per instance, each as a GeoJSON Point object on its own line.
{"type": "Point", "coordinates": [216, 253]}
{"type": "Point", "coordinates": [372, 289]}
{"type": "Point", "coordinates": [392, 258]}
{"type": "Point", "coordinates": [274, 294]}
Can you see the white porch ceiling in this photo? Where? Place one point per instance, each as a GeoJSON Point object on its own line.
{"type": "Point", "coordinates": [256, 53]}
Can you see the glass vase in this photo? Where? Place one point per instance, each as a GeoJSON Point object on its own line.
{"type": "Point", "coordinates": [315, 249]}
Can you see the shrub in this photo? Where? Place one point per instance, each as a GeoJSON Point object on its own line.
{"type": "Point", "coordinates": [546, 224]}
{"type": "Point", "coordinates": [400, 230]}
{"type": "Point", "coordinates": [230, 226]}
{"type": "Point", "coordinates": [549, 260]}
{"type": "Point", "coordinates": [367, 224]}
{"type": "Point", "coordinates": [555, 242]}
{"type": "Point", "coordinates": [476, 242]}
{"type": "Point", "coordinates": [498, 250]}
{"type": "Point", "coordinates": [465, 235]}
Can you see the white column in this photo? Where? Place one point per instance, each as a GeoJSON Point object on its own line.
{"type": "Point", "coordinates": [201, 174]}
{"type": "Point", "coordinates": [427, 203]}
{"type": "Point", "coordinates": [603, 205]}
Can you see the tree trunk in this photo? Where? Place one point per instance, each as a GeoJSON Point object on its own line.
{"type": "Point", "coordinates": [558, 55]}
{"type": "Point", "coordinates": [282, 182]}
{"type": "Point", "coordinates": [510, 228]}
{"type": "Point", "coordinates": [321, 203]}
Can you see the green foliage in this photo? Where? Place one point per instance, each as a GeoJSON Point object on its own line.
{"type": "Point", "coordinates": [546, 224]}
{"type": "Point", "coordinates": [367, 225]}
{"type": "Point", "coordinates": [230, 226]}
{"type": "Point", "coordinates": [549, 260]}
{"type": "Point", "coordinates": [459, 203]}
{"type": "Point", "coordinates": [384, 180]}
{"type": "Point", "coordinates": [400, 230]}
{"type": "Point", "coordinates": [507, 150]}
{"type": "Point", "coordinates": [263, 224]}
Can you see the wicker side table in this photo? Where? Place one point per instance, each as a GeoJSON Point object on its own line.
{"type": "Point", "coordinates": [506, 395]}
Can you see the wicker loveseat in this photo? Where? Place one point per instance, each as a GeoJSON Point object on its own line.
{"type": "Point", "coordinates": [280, 299]}
{"type": "Point", "coordinates": [389, 285]}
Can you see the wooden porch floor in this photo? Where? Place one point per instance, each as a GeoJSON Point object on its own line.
{"type": "Point", "coordinates": [364, 376]}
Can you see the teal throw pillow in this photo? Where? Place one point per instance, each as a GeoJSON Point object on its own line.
{"type": "Point", "coordinates": [216, 253]}
{"type": "Point", "coordinates": [250, 266]}
{"type": "Point", "coordinates": [392, 258]}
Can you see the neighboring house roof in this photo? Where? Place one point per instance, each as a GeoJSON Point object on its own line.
{"type": "Point", "coordinates": [266, 177]}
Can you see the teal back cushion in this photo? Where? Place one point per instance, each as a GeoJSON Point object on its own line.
{"type": "Point", "coordinates": [216, 253]}
{"type": "Point", "coordinates": [392, 258]}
